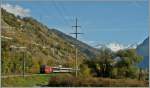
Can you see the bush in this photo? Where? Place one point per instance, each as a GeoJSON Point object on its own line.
{"type": "Point", "coordinates": [67, 80]}
{"type": "Point", "coordinates": [61, 80]}
{"type": "Point", "coordinates": [85, 71]}
{"type": "Point", "coordinates": [114, 73]}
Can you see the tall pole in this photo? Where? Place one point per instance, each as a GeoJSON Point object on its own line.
{"type": "Point", "coordinates": [76, 50]}
{"type": "Point", "coordinates": [23, 59]}
{"type": "Point", "coordinates": [23, 63]}
{"type": "Point", "coordinates": [76, 62]}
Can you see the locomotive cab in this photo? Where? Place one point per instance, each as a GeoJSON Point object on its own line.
{"type": "Point", "coordinates": [42, 67]}
{"type": "Point", "coordinates": [46, 69]}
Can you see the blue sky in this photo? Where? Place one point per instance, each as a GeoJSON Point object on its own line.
{"type": "Point", "coordinates": [125, 22]}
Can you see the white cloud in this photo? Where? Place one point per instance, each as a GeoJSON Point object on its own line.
{"type": "Point", "coordinates": [16, 10]}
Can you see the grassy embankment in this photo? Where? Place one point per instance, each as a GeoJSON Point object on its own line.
{"type": "Point", "coordinates": [28, 81]}
{"type": "Point", "coordinates": [49, 80]}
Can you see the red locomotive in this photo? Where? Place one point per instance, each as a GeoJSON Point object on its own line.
{"type": "Point", "coordinates": [46, 69]}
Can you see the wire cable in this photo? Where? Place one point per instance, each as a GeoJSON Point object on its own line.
{"type": "Point", "coordinates": [60, 12]}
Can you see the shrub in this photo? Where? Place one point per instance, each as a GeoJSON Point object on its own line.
{"type": "Point", "coordinates": [61, 80]}
{"type": "Point", "coordinates": [114, 73]}
{"type": "Point", "coordinates": [67, 80]}
{"type": "Point", "coordinates": [85, 71]}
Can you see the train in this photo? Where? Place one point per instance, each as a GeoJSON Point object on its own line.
{"type": "Point", "coordinates": [49, 69]}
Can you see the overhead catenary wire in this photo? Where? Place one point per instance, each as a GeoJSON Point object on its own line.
{"type": "Point", "coordinates": [66, 13]}
{"type": "Point", "coordinates": [60, 12]}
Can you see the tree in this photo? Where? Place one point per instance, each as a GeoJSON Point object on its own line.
{"type": "Point", "coordinates": [127, 65]}
{"type": "Point", "coordinates": [102, 64]}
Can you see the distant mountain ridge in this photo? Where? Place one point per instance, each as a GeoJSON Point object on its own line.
{"type": "Point", "coordinates": [89, 50]}
{"type": "Point", "coordinates": [116, 46]}
{"type": "Point", "coordinates": [143, 50]}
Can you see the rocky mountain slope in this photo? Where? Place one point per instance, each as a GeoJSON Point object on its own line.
{"type": "Point", "coordinates": [43, 45]}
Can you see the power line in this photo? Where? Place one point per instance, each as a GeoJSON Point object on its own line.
{"type": "Point", "coordinates": [76, 34]}
{"type": "Point", "coordinates": [60, 12]}
{"type": "Point", "coordinates": [65, 12]}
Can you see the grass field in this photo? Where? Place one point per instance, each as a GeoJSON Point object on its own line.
{"type": "Point", "coordinates": [34, 80]}
{"type": "Point", "coordinates": [43, 80]}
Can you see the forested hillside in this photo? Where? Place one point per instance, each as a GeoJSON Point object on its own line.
{"type": "Point", "coordinates": [43, 45]}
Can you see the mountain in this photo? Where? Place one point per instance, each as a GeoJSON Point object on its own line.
{"type": "Point", "coordinates": [115, 46]}
{"type": "Point", "coordinates": [43, 45]}
{"type": "Point", "coordinates": [143, 50]}
{"type": "Point", "coordinates": [85, 48]}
